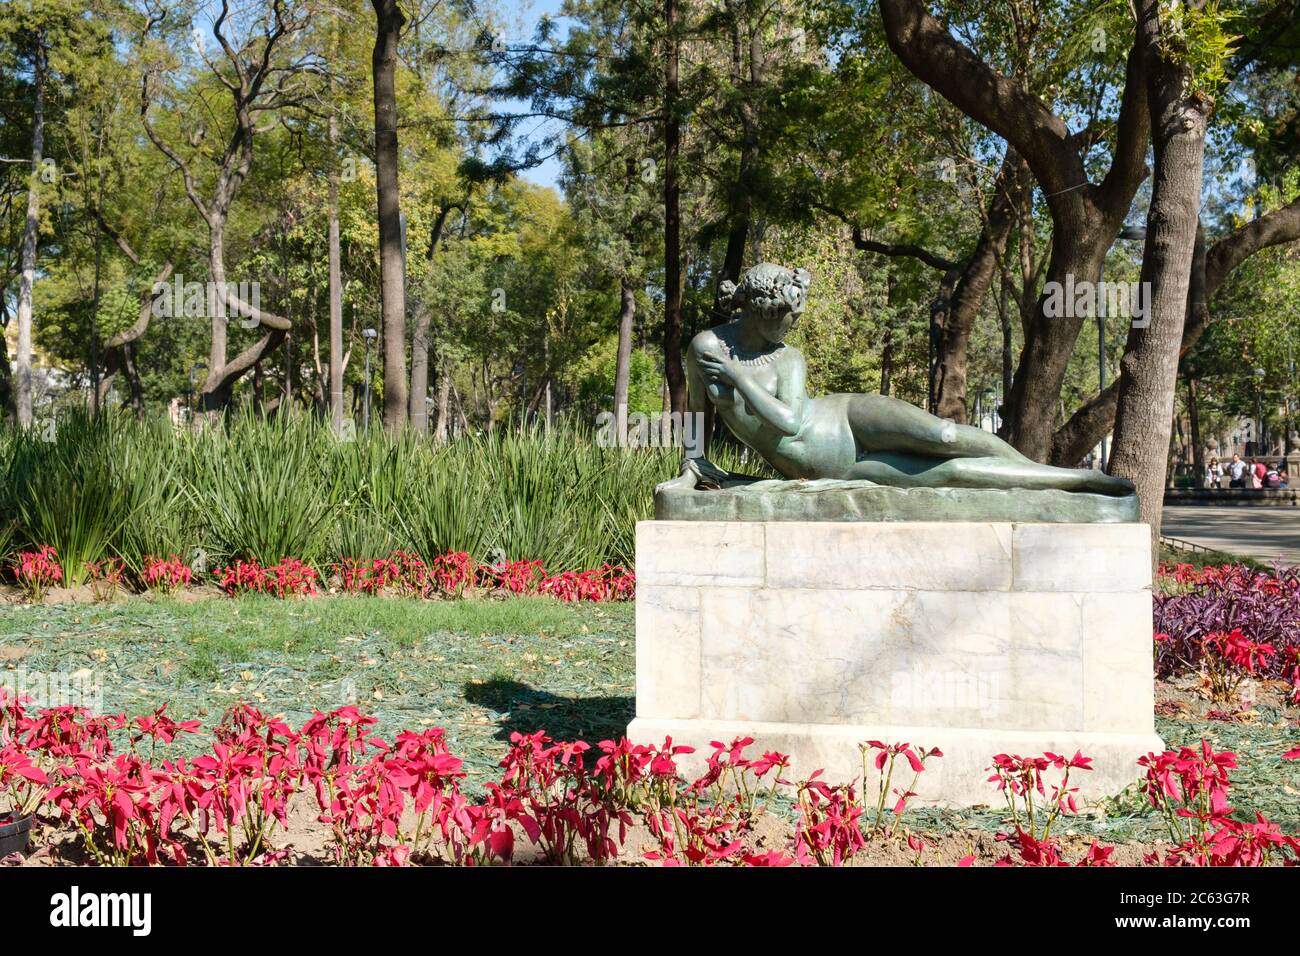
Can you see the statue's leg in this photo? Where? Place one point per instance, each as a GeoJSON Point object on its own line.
{"type": "Point", "coordinates": [918, 471]}
{"type": "Point", "coordinates": [884, 424]}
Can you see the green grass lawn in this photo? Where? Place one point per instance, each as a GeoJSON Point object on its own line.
{"type": "Point", "coordinates": [478, 668]}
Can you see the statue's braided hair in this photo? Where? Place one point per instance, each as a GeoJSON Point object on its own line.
{"type": "Point", "coordinates": [767, 290]}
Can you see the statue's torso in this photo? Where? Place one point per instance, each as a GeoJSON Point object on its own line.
{"type": "Point", "coordinates": [824, 445]}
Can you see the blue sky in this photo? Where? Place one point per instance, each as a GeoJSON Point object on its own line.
{"type": "Point", "coordinates": [526, 21]}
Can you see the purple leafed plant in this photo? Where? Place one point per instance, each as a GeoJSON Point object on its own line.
{"type": "Point", "coordinates": [1263, 605]}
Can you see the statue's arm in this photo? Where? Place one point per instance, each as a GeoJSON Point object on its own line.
{"type": "Point", "coordinates": [783, 411]}
{"type": "Point", "coordinates": [697, 400]}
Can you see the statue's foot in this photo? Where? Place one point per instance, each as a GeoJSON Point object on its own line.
{"type": "Point", "coordinates": [1113, 485]}
{"type": "Point", "coordinates": [710, 475]}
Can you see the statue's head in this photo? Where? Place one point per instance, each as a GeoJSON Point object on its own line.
{"type": "Point", "coordinates": [770, 296]}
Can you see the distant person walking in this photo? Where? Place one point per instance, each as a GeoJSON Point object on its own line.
{"type": "Point", "coordinates": [1257, 472]}
{"type": "Point", "coordinates": [1236, 472]}
{"type": "Point", "coordinates": [1213, 474]}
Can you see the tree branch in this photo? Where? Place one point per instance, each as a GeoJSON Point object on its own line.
{"type": "Point", "coordinates": [997, 102]}
{"type": "Point", "coordinates": [904, 249]}
{"type": "Point", "coordinates": [1272, 229]}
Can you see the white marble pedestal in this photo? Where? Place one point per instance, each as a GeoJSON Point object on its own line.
{"type": "Point", "coordinates": [977, 638]}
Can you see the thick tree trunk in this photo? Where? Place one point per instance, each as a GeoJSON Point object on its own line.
{"type": "Point", "coordinates": [1029, 418]}
{"type": "Point", "coordinates": [392, 284]}
{"type": "Point", "coordinates": [1008, 356]}
{"type": "Point", "coordinates": [623, 362]}
{"type": "Point", "coordinates": [1149, 371]}
{"type": "Point", "coordinates": [335, 287]}
{"type": "Point", "coordinates": [1087, 426]}
{"type": "Point", "coordinates": [1086, 217]}
{"type": "Point", "coordinates": [31, 228]}
{"type": "Point", "coordinates": [674, 371]}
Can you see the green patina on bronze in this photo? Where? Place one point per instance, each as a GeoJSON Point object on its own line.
{"type": "Point", "coordinates": [745, 374]}
{"type": "Point", "coordinates": [832, 500]}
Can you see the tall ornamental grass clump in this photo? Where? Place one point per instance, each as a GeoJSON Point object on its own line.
{"type": "Point", "coordinates": [263, 490]}
{"type": "Point", "coordinates": [63, 489]}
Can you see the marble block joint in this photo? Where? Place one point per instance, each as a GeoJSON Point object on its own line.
{"type": "Point", "coordinates": [977, 638]}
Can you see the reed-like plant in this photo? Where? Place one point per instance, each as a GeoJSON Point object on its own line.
{"type": "Point", "coordinates": [64, 491]}
{"type": "Point", "coordinates": [262, 491]}
{"type": "Point", "coordinates": [287, 487]}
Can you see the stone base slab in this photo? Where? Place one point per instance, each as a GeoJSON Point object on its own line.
{"type": "Point", "coordinates": [958, 778]}
{"type": "Point", "coordinates": [975, 637]}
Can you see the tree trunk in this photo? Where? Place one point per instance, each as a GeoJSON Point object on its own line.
{"type": "Point", "coordinates": [421, 335]}
{"type": "Point", "coordinates": [6, 370]}
{"type": "Point", "coordinates": [1008, 358]}
{"type": "Point", "coordinates": [444, 403]}
{"type": "Point", "coordinates": [31, 228]}
{"type": "Point", "coordinates": [418, 398]}
{"type": "Point", "coordinates": [546, 382]}
{"type": "Point", "coordinates": [250, 94]}
{"type": "Point", "coordinates": [674, 372]}
{"type": "Point", "coordinates": [623, 363]}
{"type": "Point", "coordinates": [1194, 424]}
{"type": "Point", "coordinates": [335, 287]}
{"type": "Point", "coordinates": [222, 375]}
{"type": "Point", "coordinates": [132, 369]}
{"type": "Point", "coordinates": [1209, 270]}
{"type": "Point", "coordinates": [1029, 418]}
{"type": "Point", "coordinates": [1086, 217]}
{"type": "Point", "coordinates": [955, 323]}
{"type": "Point", "coordinates": [393, 294]}
{"type": "Point", "coordinates": [741, 201]}
{"type": "Point", "coordinates": [1149, 371]}
{"type": "Point", "coordinates": [887, 356]}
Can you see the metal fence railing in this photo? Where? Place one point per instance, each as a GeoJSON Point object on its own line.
{"type": "Point", "coordinates": [1179, 544]}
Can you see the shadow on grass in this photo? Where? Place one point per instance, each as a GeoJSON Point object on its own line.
{"type": "Point", "coordinates": [526, 709]}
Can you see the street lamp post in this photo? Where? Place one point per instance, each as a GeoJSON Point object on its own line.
{"type": "Point", "coordinates": [369, 335]}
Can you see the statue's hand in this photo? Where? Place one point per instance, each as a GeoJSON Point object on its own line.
{"type": "Point", "coordinates": [718, 368]}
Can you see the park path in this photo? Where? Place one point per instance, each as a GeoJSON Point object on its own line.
{"type": "Point", "coordinates": [1264, 533]}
